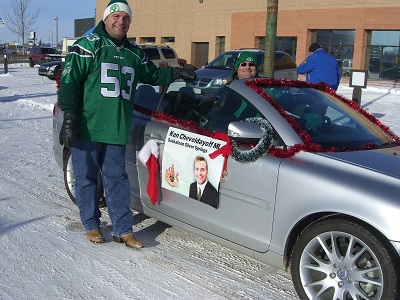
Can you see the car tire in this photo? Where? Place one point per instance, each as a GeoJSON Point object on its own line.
{"type": "Point", "coordinates": [69, 180]}
{"type": "Point", "coordinates": [325, 272]}
{"type": "Point", "coordinates": [31, 64]}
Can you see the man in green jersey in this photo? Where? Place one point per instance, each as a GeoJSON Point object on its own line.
{"type": "Point", "coordinates": [97, 86]}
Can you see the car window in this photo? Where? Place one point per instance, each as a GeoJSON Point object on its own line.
{"type": "Point", "coordinates": [152, 53]}
{"type": "Point", "coordinates": [168, 53]}
{"type": "Point", "coordinates": [47, 51]}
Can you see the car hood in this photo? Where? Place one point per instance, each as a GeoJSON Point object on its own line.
{"type": "Point", "coordinates": [385, 160]}
{"type": "Point", "coordinates": [214, 73]}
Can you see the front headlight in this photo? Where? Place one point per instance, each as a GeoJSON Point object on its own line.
{"type": "Point", "coordinates": [220, 81]}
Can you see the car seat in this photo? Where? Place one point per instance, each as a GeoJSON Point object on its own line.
{"type": "Point", "coordinates": [146, 96]}
{"type": "Point", "coordinates": [185, 101]}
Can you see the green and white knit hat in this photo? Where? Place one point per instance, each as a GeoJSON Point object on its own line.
{"type": "Point", "coordinates": [117, 5]}
{"type": "Point", "coordinates": [246, 57]}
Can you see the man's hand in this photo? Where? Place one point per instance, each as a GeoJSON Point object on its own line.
{"type": "Point", "coordinates": [68, 132]}
{"type": "Point", "coordinates": [185, 74]}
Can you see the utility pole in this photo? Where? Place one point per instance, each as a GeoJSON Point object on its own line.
{"type": "Point", "coordinates": [56, 19]}
{"type": "Point", "coordinates": [270, 38]}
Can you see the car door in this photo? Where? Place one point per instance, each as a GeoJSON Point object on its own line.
{"type": "Point", "coordinates": [246, 195]}
{"type": "Point", "coordinates": [147, 97]}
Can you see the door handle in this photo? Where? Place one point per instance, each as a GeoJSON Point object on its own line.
{"type": "Point", "coordinates": [156, 137]}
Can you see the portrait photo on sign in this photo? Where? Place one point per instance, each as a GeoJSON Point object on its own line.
{"type": "Point", "coordinates": [187, 167]}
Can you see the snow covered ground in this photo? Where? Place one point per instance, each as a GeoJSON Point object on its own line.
{"type": "Point", "coordinates": [44, 250]}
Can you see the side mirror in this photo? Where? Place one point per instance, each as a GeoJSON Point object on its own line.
{"type": "Point", "coordinates": [246, 132]}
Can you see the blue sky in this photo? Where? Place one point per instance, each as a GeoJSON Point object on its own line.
{"type": "Point", "coordinates": [66, 11]}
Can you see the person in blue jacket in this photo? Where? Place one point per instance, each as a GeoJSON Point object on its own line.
{"type": "Point", "coordinates": [319, 66]}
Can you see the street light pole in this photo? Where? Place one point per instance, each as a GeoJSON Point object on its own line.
{"type": "Point", "coordinates": [56, 19]}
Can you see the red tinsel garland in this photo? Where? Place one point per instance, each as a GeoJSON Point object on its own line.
{"type": "Point", "coordinates": [308, 146]}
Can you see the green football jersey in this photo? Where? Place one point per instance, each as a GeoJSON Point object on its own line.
{"type": "Point", "coordinates": [98, 81]}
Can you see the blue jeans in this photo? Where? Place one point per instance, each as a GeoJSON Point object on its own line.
{"type": "Point", "coordinates": [87, 158]}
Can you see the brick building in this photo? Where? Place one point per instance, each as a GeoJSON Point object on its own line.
{"type": "Point", "coordinates": [361, 34]}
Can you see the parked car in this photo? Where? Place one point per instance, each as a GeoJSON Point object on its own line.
{"type": "Point", "coordinates": [50, 69]}
{"type": "Point", "coordinates": [161, 55]}
{"type": "Point", "coordinates": [219, 71]}
{"type": "Point", "coordinates": [346, 65]}
{"type": "Point", "coordinates": [310, 181]}
{"type": "Point", "coordinates": [391, 74]}
{"type": "Point", "coordinates": [39, 55]}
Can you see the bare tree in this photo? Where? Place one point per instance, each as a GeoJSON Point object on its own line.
{"type": "Point", "coordinates": [21, 20]}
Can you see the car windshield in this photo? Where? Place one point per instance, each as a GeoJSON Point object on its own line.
{"type": "Point", "coordinates": [315, 115]}
{"type": "Point", "coordinates": [228, 60]}
{"type": "Point", "coordinates": [328, 120]}
{"type": "Point", "coordinates": [48, 51]}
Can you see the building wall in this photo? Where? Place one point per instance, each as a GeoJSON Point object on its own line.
{"type": "Point", "coordinates": [190, 21]}
{"type": "Point", "coordinates": [301, 23]}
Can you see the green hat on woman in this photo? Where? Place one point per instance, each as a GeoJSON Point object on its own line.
{"type": "Point", "coordinates": [246, 57]}
{"type": "Point", "coordinates": [117, 5]}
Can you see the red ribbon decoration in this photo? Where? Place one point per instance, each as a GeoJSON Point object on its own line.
{"type": "Point", "coordinates": [225, 150]}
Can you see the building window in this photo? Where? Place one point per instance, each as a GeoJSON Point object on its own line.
{"type": "Point", "coordinates": [220, 45]}
{"type": "Point", "coordinates": [287, 44]}
{"type": "Point", "coordinates": [132, 40]}
{"type": "Point", "coordinates": [168, 40]}
{"type": "Point", "coordinates": [147, 40]}
{"type": "Point", "coordinates": [259, 42]}
{"type": "Point", "coordinates": [339, 44]}
{"type": "Point", "coordinates": [383, 55]}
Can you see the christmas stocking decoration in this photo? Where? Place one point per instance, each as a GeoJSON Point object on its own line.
{"type": "Point", "coordinates": [148, 155]}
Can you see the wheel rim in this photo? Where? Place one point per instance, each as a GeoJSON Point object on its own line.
{"type": "Point", "coordinates": [70, 178]}
{"type": "Point", "coordinates": [337, 265]}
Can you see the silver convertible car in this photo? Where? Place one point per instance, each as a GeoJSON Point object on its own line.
{"type": "Point", "coordinates": [293, 175]}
